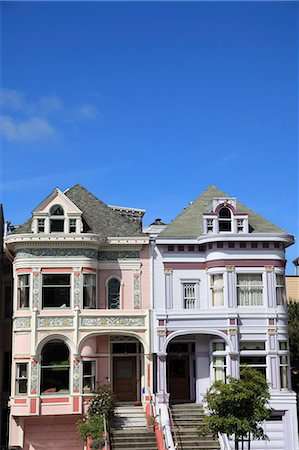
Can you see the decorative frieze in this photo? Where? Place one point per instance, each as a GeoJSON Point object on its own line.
{"type": "Point", "coordinates": [54, 322]}
{"type": "Point", "coordinates": [114, 256]}
{"type": "Point", "coordinates": [112, 321]}
{"type": "Point", "coordinates": [136, 288]}
{"type": "Point", "coordinates": [22, 322]}
{"type": "Point", "coordinates": [24, 253]}
{"type": "Point", "coordinates": [54, 252]}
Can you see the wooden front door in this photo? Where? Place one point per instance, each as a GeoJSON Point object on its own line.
{"type": "Point", "coordinates": [124, 378]}
{"type": "Point", "coordinates": [178, 377]}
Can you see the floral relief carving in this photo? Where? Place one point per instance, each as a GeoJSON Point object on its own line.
{"type": "Point", "coordinates": [76, 376]}
{"type": "Point", "coordinates": [55, 252]}
{"type": "Point", "coordinates": [112, 321]}
{"type": "Point", "coordinates": [114, 256]}
{"type": "Point", "coordinates": [136, 285]}
{"type": "Point", "coordinates": [36, 287]}
{"type": "Point", "coordinates": [34, 377]}
{"type": "Point", "coordinates": [77, 283]}
{"type": "Point", "coordinates": [23, 322]}
{"type": "Point", "coordinates": [55, 322]}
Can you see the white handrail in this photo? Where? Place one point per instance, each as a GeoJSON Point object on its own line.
{"type": "Point", "coordinates": [224, 441]}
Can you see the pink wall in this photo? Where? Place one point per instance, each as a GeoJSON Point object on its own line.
{"type": "Point", "coordinates": [52, 433]}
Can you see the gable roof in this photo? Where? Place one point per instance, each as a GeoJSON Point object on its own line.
{"type": "Point", "coordinates": [189, 223]}
{"type": "Point", "coordinates": [98, 217]}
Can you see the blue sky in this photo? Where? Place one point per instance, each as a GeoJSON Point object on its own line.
{"type": "Point", "coordinates": [146, 104]}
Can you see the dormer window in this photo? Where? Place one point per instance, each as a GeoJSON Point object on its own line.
{"type": "Point", "coordinates": [56, 219]}
{"type": "Point", "coordinates": [72, 226]}
{"type": "Point", "coordinates": [240, 225]}
{"type": "Point", "coordinates": [210, 227]}
{"type": "Point", "coordinates": [41, 225]}
{"type": "Point", "coordinates": [225, 219]}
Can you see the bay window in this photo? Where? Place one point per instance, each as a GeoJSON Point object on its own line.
{"type": "Point", "coordinates": [21, 378]}
{"type": "Point", "coordinates": [216, 286]}
{"type": "Point", "coordinates": [56, 290]}
{"type": "Point", "coordinates": [89, 291]}
{"type": "Point", "coordinates": [280, 290]}
{"type": "Point", "coordinates": [88, 376]}
{"type": "Point", "coordinates": [250, 289]}
{"type": "Point", "coordinates": [23, 291]}
{"type": "Point", "coordinates": [55, 368]}
{"type": "Point", "coordinates": [219, 361]}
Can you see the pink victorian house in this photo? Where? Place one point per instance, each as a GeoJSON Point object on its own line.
{"type": "Point", "coordinates": [80, 314]}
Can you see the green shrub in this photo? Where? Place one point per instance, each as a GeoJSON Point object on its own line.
{"type": "Point", "coordinates": [92, 426]}
{"type": "Point", "coordinates": [103, 403]}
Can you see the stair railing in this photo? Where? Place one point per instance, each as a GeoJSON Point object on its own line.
{"type": "Point", "coordinates": [171, 422]}
{"type": "Point", "coordinates": [224, 441]}
{"type": "Point", "coordinates": [106, 436]}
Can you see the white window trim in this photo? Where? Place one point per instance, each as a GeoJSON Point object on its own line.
{"type": "Point", "coordinates": [210, 274]}
{"type": "Point", "coordinates": [221, 354]}
{"type": "Point", "coordinates": [18, 308]}
{"type": "Point", "coordinates": [18, 394]}
{"type": "Point", "coordinates": [196, 282]}
{"type": "Point", "coordinates": [251, 271]}
{"type": "Point", "coordinates": [50, 308]}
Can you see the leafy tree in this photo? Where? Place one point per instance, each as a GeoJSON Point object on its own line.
{"type": "Point", "coordinates": [293, 311]}
{"type": "Point", "coordinates": [239, 407]}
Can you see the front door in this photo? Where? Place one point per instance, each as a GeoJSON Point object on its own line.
{"type": "Point", "coordinates": [178, 377]}
{"type": "Point", "coordinates": [124, 378]}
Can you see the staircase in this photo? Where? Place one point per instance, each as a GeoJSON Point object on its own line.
{"type": "Point", "coordinates": [186, 418]}
{"type": "Point", "coordinates": [130, 430]}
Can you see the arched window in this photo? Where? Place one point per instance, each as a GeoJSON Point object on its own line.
{"type": "Point", "coordinates": [55, 368]}
{"type": "Point", "coordinates": [56, 219]}
{"type": "Point", "coordinates": [56, 210]}
{"type": "Point", "coordinates": [225, 219]}
{"type": "Point", "coordinates": [113, 293]}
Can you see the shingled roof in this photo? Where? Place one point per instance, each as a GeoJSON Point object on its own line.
{"type": "Point", "coordinates": [98, 217]}
{"type": "Point", "coordinates": [189, 224]}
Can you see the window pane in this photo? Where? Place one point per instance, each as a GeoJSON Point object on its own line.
{"type": "Point", "coordinates": [56, 280]}
{"type": "Point", "coordinates": [23, 291]}
{"type": "Point", "coordinates": [252, 345]}
{"type": "Point", "coordinates": [56, 225]}
{"type": "Point", "coordinates": [114, 294]}
{"type": "Point", "coordinates": [89, 291]}
{"type": "Point", "coordinates": [217, 290]}
{"type": "Point", "coordinates": [56, 210]}
{"type": "Point", "coordinates": [55, 368]}
{"type": "Point", "coordinates": [189, 295]}
{"type": "Point", "coordinates": [250, 289]}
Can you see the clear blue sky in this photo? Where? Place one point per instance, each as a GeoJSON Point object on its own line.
{"type": "Point", "coordinates": [146, 104]}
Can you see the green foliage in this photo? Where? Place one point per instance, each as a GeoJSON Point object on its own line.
{"type": "Point", "coordinates": [293, 311]}
{"type": "Point", "coordinates": [92, 423]}
{"type": "Point", "coordinates": [92, 426]}
{"type": "Point", "coordinates": [239, 407]}
{"type": "Point", "coordinates": [97, 443]}
{"type": "Point", "coordinates": [103, 403]}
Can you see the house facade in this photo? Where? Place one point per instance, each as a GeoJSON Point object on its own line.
{"type": "Point", "coordinates": [80, 314]}
{"type": "Point", "coordinates": [158, 312]}
{"type": "Point", "coordinates": [219, 303]}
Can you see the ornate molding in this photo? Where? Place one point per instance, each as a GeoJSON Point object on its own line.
{"type": "Point", "coordinates": [25, 253]}
{"type": "Point", "coordinates": [230, 268]}
{"type": "Point", "coordinates": [269, 268]}
{"type": "Point", "coordinates": [54, 322]}
{"type": "Point", "coordinates": [36, 287]}
{"type": "Point", "coordinates": [54, 252]}
{"type": "Point", "coordinates": [272, 331]}
{"type": "Point", "coordinates": [168, 271]}
{"type": "Point", "coordinates": [112, 321]}
{"type": "Point", "coordinates": [76, 376]}
{"type": "Point", "coordinates": [23, 322]}
{"type": "Point", "coordinates": [34, 377]}
{"type": "Point", "coordinates": [115, 255]}
{"type": "Point", "coordinates": [136, 288]}
{"type": "Point", "coordinates": [77, 285]}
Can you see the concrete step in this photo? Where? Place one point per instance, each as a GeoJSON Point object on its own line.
{"type": "Point", "coordinates": [133, 438]}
